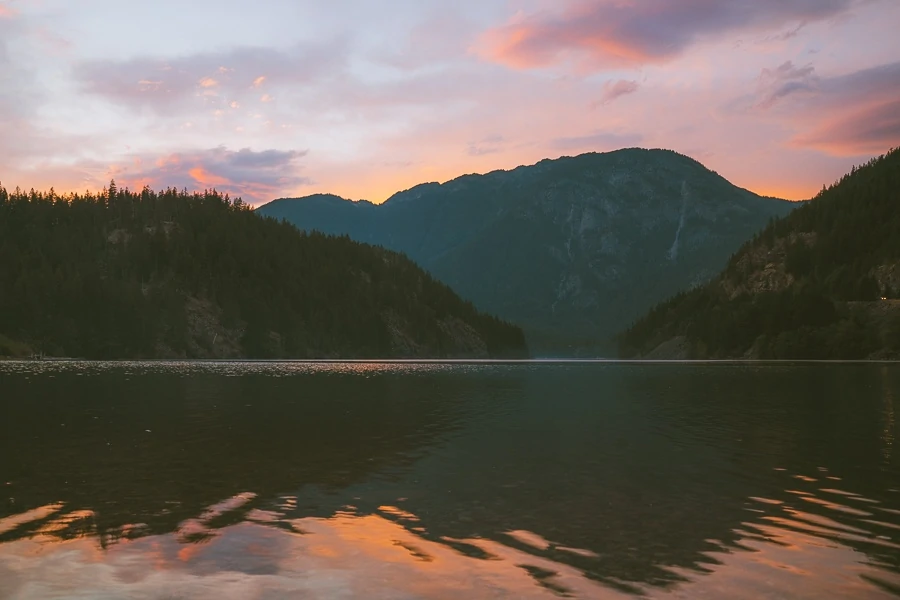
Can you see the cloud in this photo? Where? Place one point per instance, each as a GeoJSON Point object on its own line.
{"type": "Point", "coordinates": [257, 176]}
{"type": "Point", "coordinates": [198, 80]}
{"type": "Point", "coordinates": [21, 98]}
{"type": "Point", "coordinates": [848, 115]}
{"type": "Point", "coordinates": [785, 35]}
{"type": "Point", "coordinates": [17, 78]}
{"type": "Point", "coordinates": [598, 141]}
{"type": "Point", "coordinates": [876, 83]}
{"type": "Point", "coordinates": [394, 98]}
{"type": "Point", "coordinates": [7, 12]}
{"type": "Point", "coordinates": [852, 114]}
{"type": "Point", "coordinates": [869, 131]}
{"type": "Point", "coordinates": [608, 34]}
{"type": "Point", "coordinates": [617, 89]}
{"type": "Point", "coordinates": [489, 145]}
{"type": "Point", "coordinates": [441, 37]}
{"type": "Point", "coordinates": [775, 84]}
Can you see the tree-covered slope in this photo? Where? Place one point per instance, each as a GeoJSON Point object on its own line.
{"type": "Point", "coordinates": [568, 248]}
{"type": "Point", "coordinates": [172, 274]}
{"type": "Point", "coordinates": [823, 282]}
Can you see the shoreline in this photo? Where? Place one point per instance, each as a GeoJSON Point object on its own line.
{"type": "Point", "coordinates": [458, 361]}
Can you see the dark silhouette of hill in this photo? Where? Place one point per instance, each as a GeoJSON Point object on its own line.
{"type": "Point", "coordinates": [569, 248]}
{"type": "Point", "coordinates": [823, 282]}
{"type": "Point", "coordinates": [143, 274]}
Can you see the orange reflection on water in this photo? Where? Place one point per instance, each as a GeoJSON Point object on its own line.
{"type": "Point", "coordinates": [36, 514]}
{"type": "Point", "coordinates": [790, 554]}
{"type": "Point", "coordinates": [346, 556]}
{"type": "Point", "coordinates": [887, 436]}
{"type": "Point", "coordinates": [783, 562]}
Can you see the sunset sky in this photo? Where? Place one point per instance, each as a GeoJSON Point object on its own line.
{"type": "Point", "coordinates": [272, 98]}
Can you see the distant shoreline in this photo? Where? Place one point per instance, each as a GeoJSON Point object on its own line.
{"type": "Point", "coordinates": [456, 361]}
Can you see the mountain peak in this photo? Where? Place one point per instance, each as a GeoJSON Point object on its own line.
{"type": "Point", "coordinates": [567, 245]}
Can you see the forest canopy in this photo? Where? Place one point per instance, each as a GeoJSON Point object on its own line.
{"type": "Point", "coordinates": [820, 283]}
{"type": "Point", "coordinates": [122, 274]}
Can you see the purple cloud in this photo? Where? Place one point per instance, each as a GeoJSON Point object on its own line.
{"type": "Point", "coordinates": [489, 145]}
{"type": "Point", "coordinates": [615, 34]}
{"type": "Point", "coordinates": [855, 114]}
{"type": "Point", "coordinates": [775, 84]}
{"type": "Point", "coordinates": [870, 131]}
{"type": "Point", "coordinates": [881, 82]}
{"type": "Point", "coordinates": [616, 89]}
{"type": "Point", "coordinates": [255, 176]}
{"type": "Point", "coordinates": [214, 78]}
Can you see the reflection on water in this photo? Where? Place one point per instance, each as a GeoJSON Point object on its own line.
{"type": "Point", "coordinates": [265, 480]}
{"type": "Point", "coordinates": [890, 423]}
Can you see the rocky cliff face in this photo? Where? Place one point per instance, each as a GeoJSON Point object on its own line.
{"type": "Point", "coordinates": [572, 249]}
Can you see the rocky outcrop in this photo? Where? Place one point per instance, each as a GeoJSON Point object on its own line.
{"type": "Point", "coordinates": [888, 278]}
{"type": "Point", "coordinates": [677, 348]}
{"type": "Point", "coordinates": [763, 268]}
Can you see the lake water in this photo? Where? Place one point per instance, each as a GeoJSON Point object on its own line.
{"type": "Point", "coordinates": [298, 480]}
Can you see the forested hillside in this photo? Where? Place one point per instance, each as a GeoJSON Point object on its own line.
{"type": "Point", "coordinates": [172, 274]}
{"type": "Point", "coordinates": [823, 282]}
{"type": "Point", "coordinates": [569, 248]}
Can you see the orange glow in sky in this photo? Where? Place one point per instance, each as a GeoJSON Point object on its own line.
{"type": "Point", "coordinates": [777, 97]}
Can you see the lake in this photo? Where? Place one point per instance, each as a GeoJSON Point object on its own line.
{"type": "Point", "coordinates": [396, 480]}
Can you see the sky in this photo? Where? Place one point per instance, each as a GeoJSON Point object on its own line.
{"type": "Point", "coordinates": [279, 98]}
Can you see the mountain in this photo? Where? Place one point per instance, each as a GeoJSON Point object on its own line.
{"type": "Point", "coordinates": [147, 275]}
{"type": "Point", "coordinates": [821, 283]}
{"type": "Point", "coordinates": [571, 248]}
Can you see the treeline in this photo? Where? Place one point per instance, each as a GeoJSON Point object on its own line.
{"type": "Point", "coordinates": [838, 256]}
{"type": "Point", "coordinates": [123, 274]}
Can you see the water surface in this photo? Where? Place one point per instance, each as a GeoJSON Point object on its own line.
{"type": "Point", "coordinates": [396, 480]}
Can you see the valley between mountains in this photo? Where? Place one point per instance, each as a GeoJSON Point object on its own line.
{"type": "Point", "coordinates": [573, 249]}
{"type": "Point", "coordinates": [634, 254]}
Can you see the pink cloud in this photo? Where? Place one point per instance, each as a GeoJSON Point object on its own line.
{"type": "Point", "coordinates": [608, 34]}
{"type": "Point", "coordinates": [866, 131]}
{"type": "Point", "coordinates": [847, 115]}
{"type": "Point", "coordinates": [775, 84]}
{"type": "Point", "coordinates": [257, 176]}
{"type": "Point", "coordinates": [168, 85]}
{"type": "Point", "coordinates": [616, 89]}
{"type": "Point", "coordinates": [207, 179]}
{"type": "Point", "coordinates": [488, 145]}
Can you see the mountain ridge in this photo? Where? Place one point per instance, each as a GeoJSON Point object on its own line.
{"type": "Point", "coordinates": [569, 248]}
{"type": "Point", "coordinates": [428, 184]}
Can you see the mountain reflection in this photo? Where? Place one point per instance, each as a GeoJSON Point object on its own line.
{"type": "Point", "coordinates": [586, 481]}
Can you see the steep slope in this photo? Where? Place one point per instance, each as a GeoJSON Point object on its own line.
{"type": "Point", "coordinates": [823, 282]}
{"type": "Point", "coordinates": [569, 248]}
{"type": "Point", "coordinates": [131, 275]}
